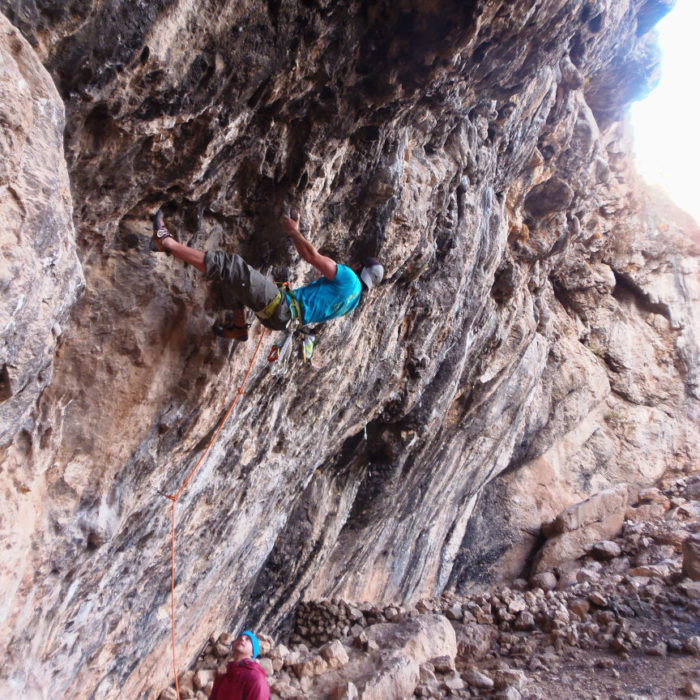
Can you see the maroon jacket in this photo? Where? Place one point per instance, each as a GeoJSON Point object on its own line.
{"type": "Point", "coordinates": [243, 680]}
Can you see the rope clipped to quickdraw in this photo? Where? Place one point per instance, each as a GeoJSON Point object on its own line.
{"type": "Point", "coordinates": [173, 498]}
{"type": "Point", "coordinates": [281, 351]}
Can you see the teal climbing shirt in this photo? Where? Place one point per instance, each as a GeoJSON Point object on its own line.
{"type": "Point", "coordinates": [325, 299]}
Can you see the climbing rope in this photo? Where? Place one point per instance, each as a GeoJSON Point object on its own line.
{"type": "Point", "coordinates": [174, 498]}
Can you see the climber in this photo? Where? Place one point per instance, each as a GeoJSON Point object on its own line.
{"type": "Point", "coordinates": [244, 678]}
{"type": "Point", "coordinates": [335, 293]}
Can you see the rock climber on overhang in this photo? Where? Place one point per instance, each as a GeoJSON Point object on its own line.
{"type": "Point", "coordinates": [334, 294]}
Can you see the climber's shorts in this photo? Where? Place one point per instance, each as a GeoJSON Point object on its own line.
{"type": "Point", "coordinates": [238, 285]}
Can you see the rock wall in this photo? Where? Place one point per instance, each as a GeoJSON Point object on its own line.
{"type": "Point", "coordinates": [539, 316]}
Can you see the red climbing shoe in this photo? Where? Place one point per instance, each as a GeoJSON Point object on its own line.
{"type": "Point", "coordinates": [232, 332]}
{"type": "Point", "coordinates": [238, 330]}
{"type": "Point", "coordinates": [159, 233]}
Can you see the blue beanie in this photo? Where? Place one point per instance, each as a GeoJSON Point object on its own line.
{"type": "Point", "coordinates": [254, 641]}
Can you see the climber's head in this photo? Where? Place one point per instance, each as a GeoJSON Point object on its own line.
{"type": "Point", "coordinates": [372, 272]}
{"type": "Point", "coordinates": [246, 646]}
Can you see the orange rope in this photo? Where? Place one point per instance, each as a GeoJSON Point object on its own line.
{"type": "Point", "coordinates": [174, 498]}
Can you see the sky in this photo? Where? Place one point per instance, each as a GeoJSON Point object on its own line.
{"type": "Point", "coordinates": [667, 123]}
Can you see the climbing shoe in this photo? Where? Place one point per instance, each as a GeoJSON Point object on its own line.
{"type": "Point", "coordinates": [160, 232]}
{"type": "Point", "coordinates": [232, 332]}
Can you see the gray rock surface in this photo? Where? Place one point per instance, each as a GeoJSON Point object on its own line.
{"type": "Point", "coordinates": [40, 275]}
{"type": "Point", "coordinates": [539, 317]}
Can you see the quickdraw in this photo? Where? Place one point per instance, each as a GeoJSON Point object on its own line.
{"type": "Point", "coordinates": [281, 350]}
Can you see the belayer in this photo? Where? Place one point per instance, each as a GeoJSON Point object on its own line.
{"type": "Point", "coordinates": [335, 293]}
{"type": "Point", "coordinates": [244, 678]}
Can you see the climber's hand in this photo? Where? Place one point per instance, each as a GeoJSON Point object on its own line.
{"type": "Point", "coordinates": [291, 226]}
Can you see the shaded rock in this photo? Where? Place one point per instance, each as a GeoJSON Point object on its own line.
{"type": "Point", "coordinates": [525, 621]}
{"type": "Point", "coordinates": [650, 571]}
{"type": "Point", "coordinates": [443, 664]}
{"type": "Point", "coordinates": [691, 556]}
{"type": "Point", "coordinates": [345, 691]}
{"type": "Point", "coordinates": [550, 196]}
{"type": "Point", "coordinates": [598, 599]}
{"type": "Point", "coordinates": [580, 606]}
{"type": "Point", "coordinates": [510, 677]}
{"type": "Point", "coordinates": [690, 588]}
{"type": "Point", "coordinates": [654, 495]}
{"type": "Point", "coordinates": [691, 689]}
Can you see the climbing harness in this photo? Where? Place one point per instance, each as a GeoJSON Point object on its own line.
{"type": "Point", "coordinates": [281, 351]}
{"type": "Point", "coordinates": [174, 498]}
{"type": "Point", "coordinates": [294, 306]}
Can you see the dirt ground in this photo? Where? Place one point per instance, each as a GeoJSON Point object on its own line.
{"type": "Point", "coordinates": [595, 674]}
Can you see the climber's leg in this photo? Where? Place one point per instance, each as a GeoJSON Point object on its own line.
{"type": "Point", "coordinates": [239, 284]}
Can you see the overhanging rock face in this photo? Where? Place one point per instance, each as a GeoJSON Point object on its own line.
{"type": "Point", "coordinates": [539, 315]}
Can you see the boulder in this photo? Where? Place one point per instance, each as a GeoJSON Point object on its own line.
{"type": "Point", "coordinates": [597, 508]}
{"type": "Point", "coordinates": [606, 549]}
{"type": "Point", "coordinates": [422, 637]}
{"type": "Point", "coordinates": [473, 640]}
{"type": "Point", "coordinates": [267, 665]}
{"type": "Point", "coordinates": [545, 580]}
{"type": "Point", "coordinates": [335, 654]}
{"type": "Point", "coordinates": [395, 679]}
{"type": "Point", "coordinates": [203, 678]}
{"type": "Point", "coordinates": [477, 679]}
{"type": "Point", "coordinates": [574, 531]}
{"type": "Point", "coordinates": [310, 666]}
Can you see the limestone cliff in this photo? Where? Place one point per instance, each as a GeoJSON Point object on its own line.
{"type": "Point", "coordinates": [539, 315]}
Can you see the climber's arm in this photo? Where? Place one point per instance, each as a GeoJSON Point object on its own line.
{"type": "Point", "coordinates": [307, 251]}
